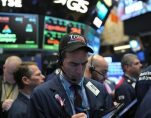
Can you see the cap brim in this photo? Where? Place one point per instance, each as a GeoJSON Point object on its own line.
{"type": "Point", "coordinates": [76, 47]}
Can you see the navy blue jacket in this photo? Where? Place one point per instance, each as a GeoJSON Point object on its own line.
{"type": "Point", "coordinates": [144, 110]}
{"type": "Point", "coordinates": [19, 107]}
{"type": "Point", "coordinates": [43, 103]}
{"type": "Point", "coordinates": [143, 90]}
{"type": "Point", "coordinates": [0, 97]}
{"type": "Point", "coordinates": [143, 84]}
{"type": "Point", "coordinates": [125, 92]}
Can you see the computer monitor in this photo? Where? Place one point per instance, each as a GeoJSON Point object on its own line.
{"type": "Point", "coordinates": [115, 71]}
{"type": "Point", "coordinates": [55, 28]}
{"type": "Point", "coordinates": [18, 31]}
{"type": "Point", "coordinates": [132, 8]}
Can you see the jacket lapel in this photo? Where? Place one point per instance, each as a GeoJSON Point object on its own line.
{"type": "Point", "coordinates": [23, 98]}
{"type": "Point", "coordinates": [59, 89]}
{"type": "Point", "coordinates": [90, 95]}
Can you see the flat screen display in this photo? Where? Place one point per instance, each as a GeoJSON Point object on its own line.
{"type": "Point", "coordinates": [115, 71]}
{"type": "Point", "coordinates": [132, 8]}
{"type": "Point", "coordinates": [55, 28]}
{"type": "Point", "coordinates": [18, 31]}
{"type": "Point", "coordinates": [102, 10]}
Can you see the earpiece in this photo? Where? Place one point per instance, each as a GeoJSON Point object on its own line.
{"type": "Point", "coordinates": [91, 68]}
{"type": "Point", "coordinates": [60, 58]}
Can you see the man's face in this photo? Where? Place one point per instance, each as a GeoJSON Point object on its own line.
{"type": "Point", "coordinates": [74, 65]}
{"type": "Point", "coordinates": [8, 70]}
{"type": "Point", "coordinates": [135, 68]}
{"type": "Point", "coordinates": [37, 77]}
{"type": "Point", "coordinates": [102, 68]}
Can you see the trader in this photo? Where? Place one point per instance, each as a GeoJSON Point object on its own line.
{"type": "Point", "coordinates": [69, 94]}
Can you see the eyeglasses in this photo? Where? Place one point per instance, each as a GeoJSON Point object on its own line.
{"type": "Point", "coordinates": [100, 73]}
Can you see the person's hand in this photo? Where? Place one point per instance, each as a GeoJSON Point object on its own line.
{"type": "Point", "coordinates": [79, 115]}
{"type": "Point", "coordinates": [7, 104]}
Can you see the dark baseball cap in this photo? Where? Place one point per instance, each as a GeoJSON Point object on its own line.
{"type": "Point", "coordinates": [72, 42]}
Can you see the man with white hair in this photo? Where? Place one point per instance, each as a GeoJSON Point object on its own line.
{"type": "Point", "coordinates": [9, 89]}
{"type": "Point", "coordinates": [125, 89]}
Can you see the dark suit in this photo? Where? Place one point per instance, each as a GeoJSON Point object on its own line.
{"type": "Point", "coordinates": [144, 110]}
{"type": "Point", "coordinates": [125, 92]}
{"type": "Point", "coordinates": [0, 96]}
{"type": "Point", "coordinates": [44, 105]}
{"type": "Point", "coordinates": [143, 90]}
{"type": "Point", "coordinates": [143, 84]}
{"type": "Point", "coordinates": [19, 107]}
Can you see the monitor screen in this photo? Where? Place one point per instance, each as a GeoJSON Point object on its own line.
{"type": "Point", "coordinates": [18, 31]}
{"type": "Point", "coordinates": [55, 28]}
{"type": "Point", "coordinates": [115, 71]}
{"type": "Point", "coordinates": [102, 10]}
{"type": "Point", "coordinates": [132, 8]}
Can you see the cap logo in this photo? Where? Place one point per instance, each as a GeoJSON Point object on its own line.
{"type": "Point", "coordinates": [76, 38]}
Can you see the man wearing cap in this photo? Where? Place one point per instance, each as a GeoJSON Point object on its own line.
{"type": "Point", "coordinates": [69, 94]}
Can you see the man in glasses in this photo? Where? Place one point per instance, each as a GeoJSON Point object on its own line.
{"type": "Point", "coordinates": [97, 69]}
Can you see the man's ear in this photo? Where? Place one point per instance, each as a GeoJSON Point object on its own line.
{"type": "Point", "coordinates": [127, 67]}
{"type": "Point", "coordinates": [25, 80]}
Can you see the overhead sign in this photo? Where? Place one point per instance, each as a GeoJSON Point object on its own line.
{"type": "Point", "coordinates": [74, 5]}
{"type": "Point", "coordinates": [11, 3]}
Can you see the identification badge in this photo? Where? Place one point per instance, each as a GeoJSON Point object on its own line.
{"type": "Point", "coordinates": [92, 88]}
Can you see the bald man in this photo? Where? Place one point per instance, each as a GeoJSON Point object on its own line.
{"type": "Point", "coordinates": [97, 69]}
{"type": "Point", "coordinates": [9, 90]}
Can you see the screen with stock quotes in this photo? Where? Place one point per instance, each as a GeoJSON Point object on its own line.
{"type": "Point", "coordinates": [18, 31]}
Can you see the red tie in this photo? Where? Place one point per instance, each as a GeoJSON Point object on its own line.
{"type": "Point", "coordinates": [78, 98]}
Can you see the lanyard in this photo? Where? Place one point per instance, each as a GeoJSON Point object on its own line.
{"type": "Point", "coordinates": [10, 92]}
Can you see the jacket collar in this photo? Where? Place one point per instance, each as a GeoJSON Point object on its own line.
{"type": "Point", "coordinates": [58, 88]}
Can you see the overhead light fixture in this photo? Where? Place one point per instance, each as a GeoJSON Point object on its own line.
{"type": "Point", "coordinates": [123, 47]}
{"type": "Point", "coordinates": [135, 45]}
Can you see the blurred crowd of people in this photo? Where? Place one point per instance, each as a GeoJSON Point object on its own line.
{"type": "Point", "coordinates": [77, 87]}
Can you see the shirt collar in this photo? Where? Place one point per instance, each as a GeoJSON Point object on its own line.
{"type": "Point", "coordinates": [130, 78]}
{"type": "Point", "coordinates": [68, 84]}
{"type": "Point", "coordinates": [28, 96]}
